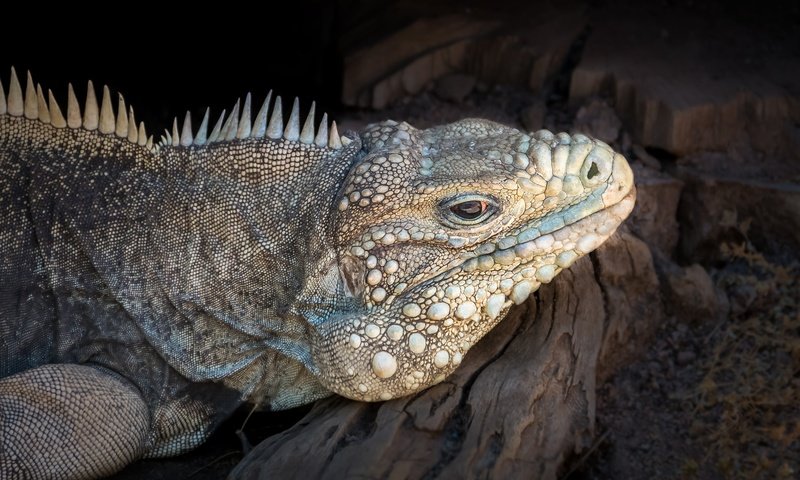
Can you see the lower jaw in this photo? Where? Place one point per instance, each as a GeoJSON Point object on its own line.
{"type": "Point", "coordinates": [545, 257]}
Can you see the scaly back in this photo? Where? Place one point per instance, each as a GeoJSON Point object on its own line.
{"type": "Point", "coordinates": [205, 239]}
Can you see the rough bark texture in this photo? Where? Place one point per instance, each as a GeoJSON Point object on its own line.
{"type": "Point", "coordinates": [382, 65]}
{"type": "Point", "coordinates": [686, 78]}
{"type": "Point", "coordinates": [683, 77]}
{"type": "Point", "coordinates": [522, 402]}
{"type": "Point", "coordinates": [768, 211]}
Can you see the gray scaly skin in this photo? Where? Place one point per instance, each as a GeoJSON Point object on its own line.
{"type": "Point", "coordinates": [147, 291]}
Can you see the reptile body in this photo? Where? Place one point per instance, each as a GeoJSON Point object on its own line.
{"type": "Point", "coordinates": [148, 290]}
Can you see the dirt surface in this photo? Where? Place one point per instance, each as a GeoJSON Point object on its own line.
{"type": "Point", "coordinates": [713, 398]}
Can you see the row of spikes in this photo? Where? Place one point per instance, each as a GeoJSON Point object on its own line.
{"type": "Point", "coordinates": [236, 127]}
{"type": "Point", "coordinates": [34, 107]}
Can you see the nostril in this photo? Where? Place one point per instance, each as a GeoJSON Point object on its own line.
{"type": "Point", "coordinates": [593, 171]}
{"type": "Point", "coordinates": [596, 167]}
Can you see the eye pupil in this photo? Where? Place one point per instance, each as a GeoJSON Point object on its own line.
{"type": "Point", "coordinates": [469, 210]}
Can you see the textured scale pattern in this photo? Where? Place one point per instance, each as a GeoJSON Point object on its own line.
{"type": "Point", "coordinates": [261, 263]}
{"type": "Point", "coordinates": [66, 396]}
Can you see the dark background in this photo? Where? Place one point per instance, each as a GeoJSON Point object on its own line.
{"type": "Point", "coordinates": [164, 65]}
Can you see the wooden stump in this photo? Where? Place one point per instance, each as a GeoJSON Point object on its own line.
{"type": "Point", "coordinates": [522, 402]}
{"type": "Point", "coordinates": [690, 77]}
{"type": "Point", "coordinates": [385, 60]}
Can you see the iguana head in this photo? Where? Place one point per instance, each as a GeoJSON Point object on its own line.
{"type": "Point", "coordinates": [440, 231]}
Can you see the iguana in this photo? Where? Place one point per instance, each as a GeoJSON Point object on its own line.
{"type": "Point", "coordinates": [148, 290]}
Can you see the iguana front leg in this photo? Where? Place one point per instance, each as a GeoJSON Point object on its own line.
{"type": "Point", "coordinates": [69, 421]}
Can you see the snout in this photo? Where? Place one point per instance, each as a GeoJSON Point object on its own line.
{"type": "Point", "coordinates": [620, 183]}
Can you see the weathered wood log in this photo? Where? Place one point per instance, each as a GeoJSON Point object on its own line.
{"type": "Point", "coordinates": [384, 61]}
{"type": "Point", "coordinates": [522, 402]}
{"type": "Point", "coordinates": [718, 208]}
{"type": "Point", "coordinates": [687, 78]}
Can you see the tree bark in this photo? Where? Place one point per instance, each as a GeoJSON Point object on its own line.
{"type": "Point", "coordinates": [684, 84]}
{"type": "Point", "coordinates": [386, 59]}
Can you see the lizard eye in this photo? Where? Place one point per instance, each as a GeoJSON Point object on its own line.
{"type": "Point", "coordinates": [468, 210]}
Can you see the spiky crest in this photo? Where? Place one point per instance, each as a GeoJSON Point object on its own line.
{"type": "Point", "coordinates": [33, 105]}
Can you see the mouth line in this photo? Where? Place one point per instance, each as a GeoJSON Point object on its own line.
{"type": "Point", "coordinates": [533, 242]}
{"type": "Point", "coordinates": [519, 256]}
{"type": "Point", "coordinates": [549, 225]}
